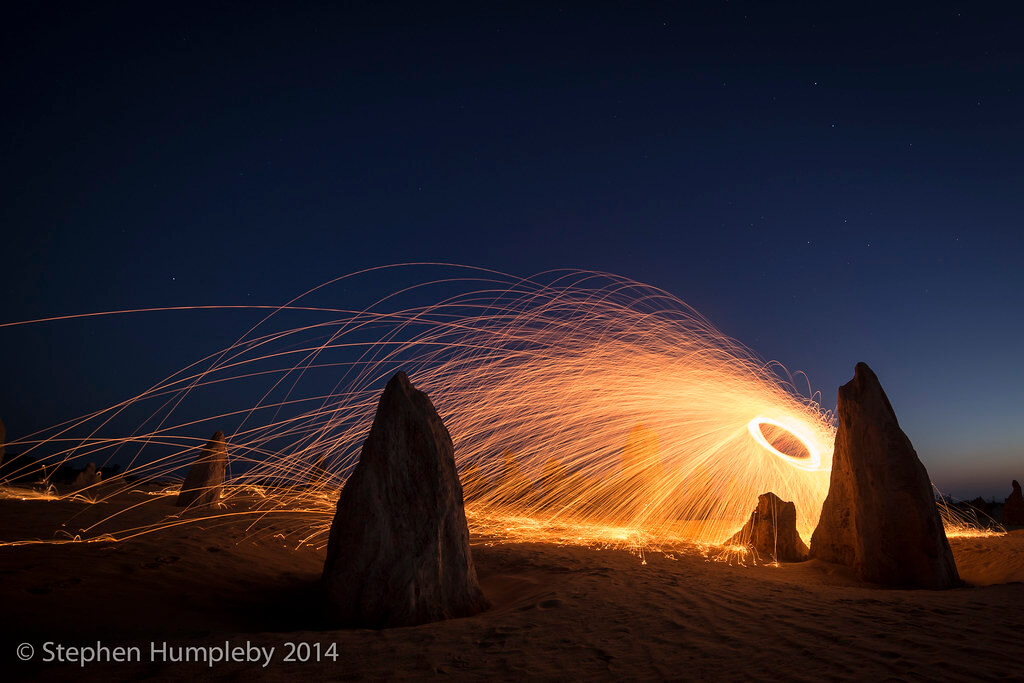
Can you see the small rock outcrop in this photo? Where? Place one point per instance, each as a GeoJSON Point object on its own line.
{"type": "Point", "coordinates": [880, 515]}
{"type": "Point", "coordinates": [1013, 508]}
{"type": "Point", "coordinates": [771, 530]}
{"type": "Point", "coordinates": [398, 553]}
{"type": "Point", "coordinates": [205, 478]}
{"type": "Point", "coordinates": [87, 477]}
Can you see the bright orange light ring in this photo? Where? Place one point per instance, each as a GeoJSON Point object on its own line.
{"type": "Point", "coordinates": [810, 463]}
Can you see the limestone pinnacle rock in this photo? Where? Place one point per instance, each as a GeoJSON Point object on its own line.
{"type": "Point", "coordinates": [880, 515]}
{"type": "Point", "coordinates": [771, 530]}
{"type": "Point", "coordinates": [398, 553]}
{"type": "Point", "coordinates": [1013, 508]}
{"type": "Point", "coordinates": [205, 478]}
{"type": "Point", "coordinates": [87, 477]}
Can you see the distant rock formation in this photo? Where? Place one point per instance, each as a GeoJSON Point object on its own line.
{"type": "Point", "coordinates": [640, 455]}
{"type": "Point", "coordinates": [642, 474]}
{"type": "Point", "coordinates": [1013, 508]}
{"type": "Point", "coordinates": [513, 486]}
{"type": "Point", "coordinates": [398, 553]}
{"type": "Point", "coordinates": [318, 472]}
{"type": "Point", "coordinates": [979, 504]}
{"type": "Point", "coordinates": [205, 478]}
{"type": "Point", "coordinates": [87, 477]}
{"type": "Point", "coordinates": [771, 530]}
{"type": "Point", "coordinates": [474, 483]}
{"type": "Point", "coordinates": [553, 483]}
{"type": "Point", "coordinates": [880, 515]}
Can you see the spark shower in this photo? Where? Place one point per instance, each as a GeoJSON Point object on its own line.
{"type": "Point", "coordinates": [582, 405]}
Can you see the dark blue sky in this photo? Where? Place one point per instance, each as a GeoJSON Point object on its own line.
{"type": "Point", "coordinates": [827, 184]}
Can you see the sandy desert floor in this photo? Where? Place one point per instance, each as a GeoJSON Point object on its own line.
{"type": "Point", "coordinates": [559, 612]}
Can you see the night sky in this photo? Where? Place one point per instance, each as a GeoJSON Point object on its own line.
{"type": "Point", "coordinates": [828, 185]}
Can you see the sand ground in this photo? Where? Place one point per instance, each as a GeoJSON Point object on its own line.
{"type": "Point", "coordinates": [559, 612]}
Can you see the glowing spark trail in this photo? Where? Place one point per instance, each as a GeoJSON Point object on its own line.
{"type": "Point", "coordinates": [584, 407]}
